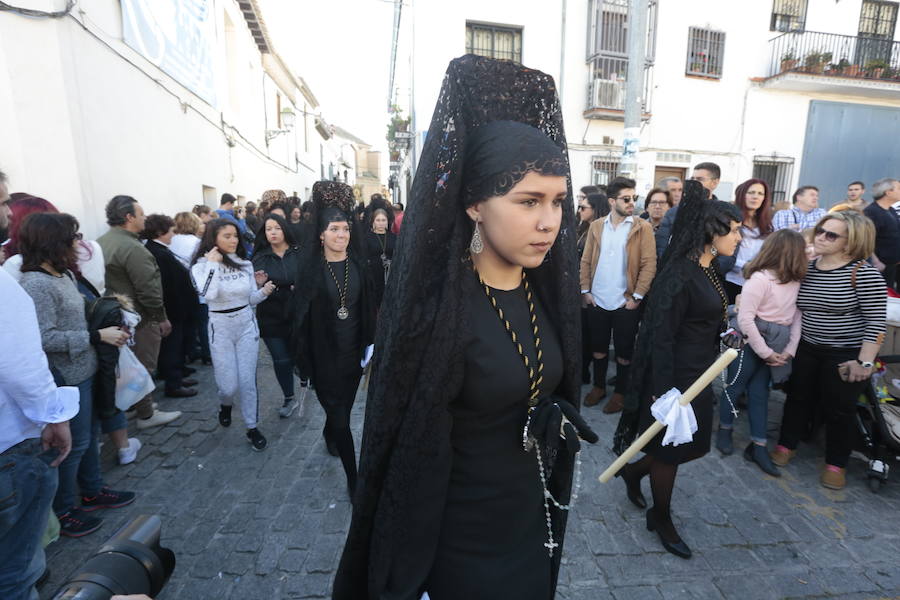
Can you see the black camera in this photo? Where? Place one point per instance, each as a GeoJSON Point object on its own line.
{"type": "Point", "coordinates": [130, 562]}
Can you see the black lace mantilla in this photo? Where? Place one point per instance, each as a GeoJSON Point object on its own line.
{"type": "Point", "coordinates": [418, 365]}
{"type": "Point", "coordinates": [499, 155]}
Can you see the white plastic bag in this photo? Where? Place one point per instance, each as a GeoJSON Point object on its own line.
{"type": "Point", "coordinates": [133, 382]}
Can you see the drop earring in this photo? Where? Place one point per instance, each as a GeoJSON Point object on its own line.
{"type": "Point", "coordinates": [713, 251]}
{"type": "Point", "coordinates": [477, 244]}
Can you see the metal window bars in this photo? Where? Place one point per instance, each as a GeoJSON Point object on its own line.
{"type": "Point", "coordinates": [604, 168]}
{"type": "Point", "coordinates": [494, 41]}
{"type": "Point", "coordinates": [705, 52]}
{"type": "Point", "coordinates": [776, 172]}
{"type": "Point", "coordinates": [788, 15]}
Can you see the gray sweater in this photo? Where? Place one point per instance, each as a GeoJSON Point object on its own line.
{"type": "Point", "coordinates": [64, 333]}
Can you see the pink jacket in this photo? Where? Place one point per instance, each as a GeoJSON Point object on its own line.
{"type": "Point", "coordinates": [764, 297]}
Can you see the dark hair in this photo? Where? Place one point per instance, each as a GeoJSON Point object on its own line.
{"type": "Point", "coordinates": [250, 207]}
{"type": "Point", "coordinates": [717, 219]}
{"type": "Point", "coordinates": [859, 183]}
{"type": "Point", "coordinates": [156, 226]}
{"type": "Point", "coordinates": [764, 212]}
{"type": "Point", "coordinates": [21, 205]}
{"type": "Point", "coordinates": [400, 204]}
{"type": "Point", "coordinates": [802, 190]}
{"type": "Point", "coordinates": [262, 241]}
{"type": "Point", "coordinates": [617, 185]}
{"type": "Point", "coordinates": [227, 199]}
{"type": "Point", "coordinates": [599, 203]}
{"type": "Point", "coordinates": [48, 237]}
{"type": "Point", "coordinates": [209, 242]}
{"type": "Point", "coordinates": [589, 189]}
{"type": "Point", "coordinates": [783, 253]}
{"type": "Point", "coordinates": [712, 167]}
{"type": "Point", "coordinates": [653, 192]}
{"type": "Point", "coordinates": [118, 209]}
{"type": "Point", "coordinates": [201, 209]}
{"type": "Point", "coordinates": [376, 198]}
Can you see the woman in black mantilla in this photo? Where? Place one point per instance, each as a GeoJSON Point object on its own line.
{"type": "Point", "coordinates": [335, 316]}
{"type": "Point", "coordinates": [477, 352]}
{"type": "Point", "coordinates": [379, 242]}
{"type": "Point", "coordinates": [678, 340]}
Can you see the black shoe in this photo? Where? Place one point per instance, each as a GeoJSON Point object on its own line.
{"type": "Point", "coordinates": [77, 523]}
{"type": "Point", "coordinates": [187, 382]}
{"type": "Point", "coordinates": [760, 455]}
{"type": "Point", "coordinates": [723, 441]}
{"type": "Point", "coordinates": [187, 371]}
{"type": "Point", "coordinates": [633, 489]}
{"type": "Point", "coordinates": [679, 548]}
{"type": "Point", "coordinates": [256, 439]}
{"type": "Point", "coordinates": [106, 498]}
{"type": "Point", "coordinates": [224, 415]}
{"type": "Point", "coordinates": [182, 392]}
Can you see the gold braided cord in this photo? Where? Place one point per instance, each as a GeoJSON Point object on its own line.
{"type": "Point", "coordinates": [342, 294]}
{"type": "Point", "coordinates": [535, 378]}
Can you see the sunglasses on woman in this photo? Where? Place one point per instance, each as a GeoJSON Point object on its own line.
{"type": "Point", "coordinates": [829, 235]}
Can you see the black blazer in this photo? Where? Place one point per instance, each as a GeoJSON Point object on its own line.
{"type": "Point", "coordinates": [179, 295]}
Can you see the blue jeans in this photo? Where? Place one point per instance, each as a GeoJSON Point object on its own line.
{"type": "Point", "coordinates": [27, 486]}
{"type": "Point", "coordinates": [283, 363]}
{"type": "Point", "coordinates": [754, 380]}
{"type": "Point", "coordinates": [80, 472]}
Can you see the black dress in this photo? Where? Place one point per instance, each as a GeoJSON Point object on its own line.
{"type": "Point", "coordinates": [378, 245]}
{"type": "Point", "coordinates": [686, 346]}
{"type": "Point", "coordinates": [336, 373]}
{"type": "Point", "coordinates": [493, 528]}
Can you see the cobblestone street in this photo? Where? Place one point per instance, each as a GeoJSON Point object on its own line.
{"type": "Point", "coordinates": [271, 525]}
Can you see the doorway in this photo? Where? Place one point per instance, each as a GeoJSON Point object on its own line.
{"type": "Point", "coordinates": [663, 172]}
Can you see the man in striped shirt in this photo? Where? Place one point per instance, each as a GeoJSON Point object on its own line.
{"type": "Point", "coordinates": [805, 212]}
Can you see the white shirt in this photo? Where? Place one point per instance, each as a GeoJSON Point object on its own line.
{"type": "Point", "coordinates": [225, 288]}
{"type": "Point", "coordinates": [610, 279]}
{"type": "Point", "coordinates": [751, 243]}
{"type": "Point", "coordinates": [29, 399]}
{"type": "Point", "coordinates": [184, 246]}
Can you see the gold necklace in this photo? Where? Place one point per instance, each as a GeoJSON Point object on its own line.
{"type": "Point", "coordinates": [342, 312]}
{"type": "Point", "coordinates": [535, 374]}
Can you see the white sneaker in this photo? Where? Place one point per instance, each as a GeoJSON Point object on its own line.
{"type": "Point", "coordinates": [159, 418]}
{"type": "Point", "coordinates": [132, 412]}
{"type": "Point", "coordinates": [127, 455]}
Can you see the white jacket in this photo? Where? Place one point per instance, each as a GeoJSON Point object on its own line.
{"type": "Point", "coordinates": [225, 288]}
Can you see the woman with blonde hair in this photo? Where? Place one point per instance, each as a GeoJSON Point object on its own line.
{"type": "Point", "coordinates": [844, 305]}
{"type": "Point", "coordinates": [769, 318]}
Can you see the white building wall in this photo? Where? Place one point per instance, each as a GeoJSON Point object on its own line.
{"type": "Point", "coordinates": [81, 124]}
{"type": "Point", "coordinates": [727, 121]}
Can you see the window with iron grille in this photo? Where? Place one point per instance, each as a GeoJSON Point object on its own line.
{"type": "Point", "coordinates": [494, 41]}
{"type": "Point", "coordinates": [788, 15]}
{"type": "Point", "coordinates": [776, 172]}
{"type": "Point", "coordinates": [604, 169]}
{"type": "Point", "coordinates": [706, 52]}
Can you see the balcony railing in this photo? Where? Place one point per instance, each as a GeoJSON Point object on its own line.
{"type": "Point", "coordinates": [835, 55]}
{"type": "Point", "coordinates": [606, 89]}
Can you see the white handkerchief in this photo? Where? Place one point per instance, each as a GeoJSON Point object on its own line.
{"type": "Point", "coordinates": [679, 420]}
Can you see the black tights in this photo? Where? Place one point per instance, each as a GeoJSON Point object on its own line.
{"type": "Point", "coordinates": [662, 483]}
{"type": "Point", "coordinates": [337, 431]}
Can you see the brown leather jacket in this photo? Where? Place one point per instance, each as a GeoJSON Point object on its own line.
{"type": "Point", "coordinates": [640, 248]}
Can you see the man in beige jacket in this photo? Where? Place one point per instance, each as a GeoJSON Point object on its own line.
{"type": "Point", "coordinates": [617, 267]}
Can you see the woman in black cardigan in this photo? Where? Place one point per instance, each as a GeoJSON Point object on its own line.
{"type": "Point", "coordinates": [180, 301]}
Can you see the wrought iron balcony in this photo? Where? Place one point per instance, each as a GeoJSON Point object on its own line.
{"type": "Point", "coordinates": [606, 88]}
{"type": "Point", "coordinates": [839, 62]}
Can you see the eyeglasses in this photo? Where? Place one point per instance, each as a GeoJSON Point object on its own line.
{"type": "Point", "coordinates": [658, 203]}
{"type": "Point", "coordinates": [829, 235]}
{"type": "Point", "coordinates": [627, 199]}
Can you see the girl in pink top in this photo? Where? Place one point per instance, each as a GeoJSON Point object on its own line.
{"type": "Point", "coordinates": [770, 321]}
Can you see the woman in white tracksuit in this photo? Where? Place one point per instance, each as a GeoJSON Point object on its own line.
{"type": "Point", "coordinates": [225, 279]}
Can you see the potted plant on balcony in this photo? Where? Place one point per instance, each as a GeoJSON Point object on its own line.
{"type": "Point", "coordinates": [875, 68]}
{"type": "Point", "coordinates": [839, 68]}
{"type": "Point", "coordinates": [788, 61]}
{"type": "Point", "coordinates": [813, 62]}
{"type": "Point", "coordinates": [852, 69]}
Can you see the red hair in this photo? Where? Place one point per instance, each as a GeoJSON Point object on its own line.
{"type": "Point", "coordinates": [763, 213]}
{"type": "Point", "coordinates": [22, 205]}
